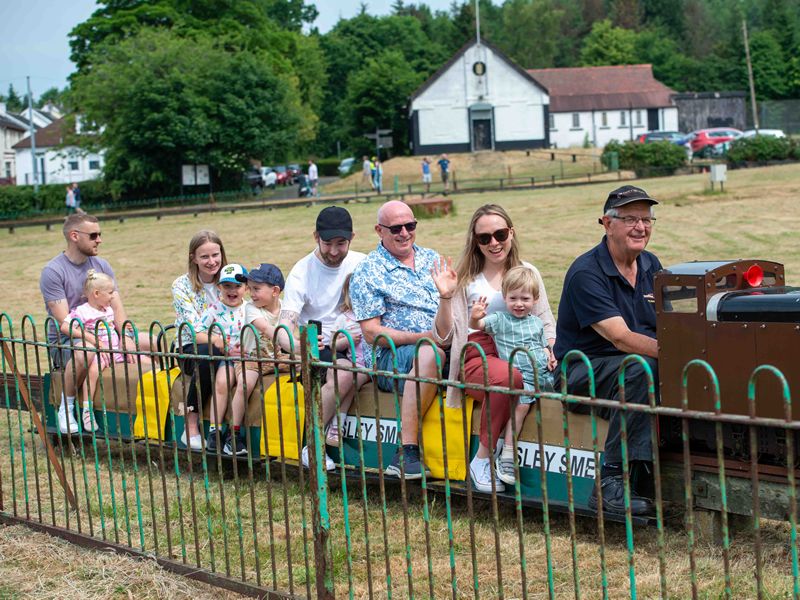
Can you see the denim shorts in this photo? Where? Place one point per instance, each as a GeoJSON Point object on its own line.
{"type": "Point", "coordinates": [405, 365]}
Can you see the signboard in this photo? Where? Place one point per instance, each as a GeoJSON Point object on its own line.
{"type": "Point", "coordinates": [188, 176]}
{"type": "Point", "coordinates": [479, 68]}
{"type": "Point", "coordinates": [202, 175]}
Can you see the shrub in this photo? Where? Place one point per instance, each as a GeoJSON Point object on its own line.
{"type": "Point", "coordinates": [760, 148]}
{"type": "Point", "coordinates": [328, 167]}
{"type": "Point", "coordinates": [646, 160]}
{"type": "Point", "coordinates": [21, 201]}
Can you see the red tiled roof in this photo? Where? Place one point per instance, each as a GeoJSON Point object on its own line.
{"type": "Point", "coordinates": [603, 88]}
{"type": "Point", "coordinates": [46, 137]}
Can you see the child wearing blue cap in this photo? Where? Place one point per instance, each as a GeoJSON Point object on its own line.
{"type": "Point", "coordinates": [228, 316]}
{"type": "Point", "coordinates": [265, 284]}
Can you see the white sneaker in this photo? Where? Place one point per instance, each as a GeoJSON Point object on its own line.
{"type": "Point", "coordinates": [195, 441]}
{"type": "Point", "coordinates": [66, 420]}
{"type": "Point", "coordinates": [329, 464]}
{"type": "Point", "coordinates": [89, 422]}
{"type": "Point", "coordinates": [482, 478]}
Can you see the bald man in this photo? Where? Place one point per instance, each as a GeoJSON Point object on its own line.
{"type": "Point", "coordinates": [393, 294]}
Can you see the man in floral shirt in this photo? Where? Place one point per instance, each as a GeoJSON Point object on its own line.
{"type": "Point", "coordinates": [394, 295]}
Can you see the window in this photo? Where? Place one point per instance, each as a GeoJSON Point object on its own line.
{"type": "Point", "coordinates": [94, 165]}
{"type": "Point", "coordinates": [623, 116]}
{"type": "Point", "coordinates": [552, 121]}
{"type": "Point", "coordinates": [576, 120]}
{"type": "Point", "coordinates": [603, 119]}
{"type": "Point", "coordinates": [73, 165]}
{"type": "Point", "coordinates": [638, 117]}
{"type": "Point", "coordinates": [8, 170]}
{"type": "Point", "coordinates": [680, 299]}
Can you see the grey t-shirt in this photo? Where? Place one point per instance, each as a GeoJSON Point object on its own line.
{"type": "Point", "coordinates": [63, 279]}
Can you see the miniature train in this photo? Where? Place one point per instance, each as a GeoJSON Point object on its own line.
{"type": "Point", "coordinates": [734, 315]}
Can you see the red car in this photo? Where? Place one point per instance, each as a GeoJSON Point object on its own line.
{"type": "Point", "coordinates": [703, 141]}
{"type": "Point", "coordinates": [283, 176]}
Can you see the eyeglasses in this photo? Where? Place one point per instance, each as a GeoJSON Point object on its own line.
{"type": "Point", "coordinates": [501, 235]}
{"type": "Point", "coordinates": [395, 229]}
{"type": "Point", "coordinates": [92, 236]}
{"type": "Point", "coordinates": [631, 221]}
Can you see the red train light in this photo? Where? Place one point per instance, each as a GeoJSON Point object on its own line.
{"type": "Point", "coordinates": [754, 276]}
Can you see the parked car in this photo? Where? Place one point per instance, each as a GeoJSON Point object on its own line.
{"type": "Point", "coordinates": [282, 176]}
{"type": "Point", "coordinates": [778, 133]}
{"type": "Point", "coordinates": [294, 172]}
{"type": "Point", "coordinates": [705, 142]}
{"type": "Point", "coordinates": [252, 177]}
{"type": "Point", "coordinates": [269, 177]}
{"type": "Point", "coordinates": [346, 166]}
{"type": "Point", "coordinates": [676, 137]}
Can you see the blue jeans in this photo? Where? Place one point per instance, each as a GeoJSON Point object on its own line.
{"type": "Point", "coordinates": [405, 365]}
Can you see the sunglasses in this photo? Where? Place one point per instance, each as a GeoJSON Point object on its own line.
{"type": "Point", "coordinates": [501, 235]}
{"type": "Point", "coordinates": [92, 236]}
{"type": "Point", "coordinates": [395, 229]}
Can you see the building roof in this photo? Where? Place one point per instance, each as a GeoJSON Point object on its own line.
{"type": "Point", "coordinates": [432, 79]}
{"type": "Point", "coordinates": [46, 137]}
{"type": "Point", "coordinates": [10, 123]}
{"type": "Point", "coordinates": [578, 89]}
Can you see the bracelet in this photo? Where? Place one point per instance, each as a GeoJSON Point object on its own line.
{"type": "Point", "coordinates": [444, 297]}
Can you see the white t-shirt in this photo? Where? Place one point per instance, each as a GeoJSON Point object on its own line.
{"type": "Point", "coordinates": [251, 313]}
{"type": "Point", "coordinates": [314, 290]}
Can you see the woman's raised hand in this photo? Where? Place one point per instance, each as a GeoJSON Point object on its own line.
{"type": "Point", "coordinates": [445, 277]}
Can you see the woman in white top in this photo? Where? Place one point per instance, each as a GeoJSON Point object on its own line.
{"type": "Point", "coordinates": [191, 295]}
{"type": "Point", "coordinates": [491, 249]}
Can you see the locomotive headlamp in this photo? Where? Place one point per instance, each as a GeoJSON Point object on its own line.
{"type": "Point", "coordinates": [754, 276]}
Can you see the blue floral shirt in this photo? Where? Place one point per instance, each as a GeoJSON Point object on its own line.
{"type": "Point", "coordinates": [406, 299]}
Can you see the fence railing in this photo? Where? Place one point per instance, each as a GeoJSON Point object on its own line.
{"type": "Point", "coordinates": [263, 524]}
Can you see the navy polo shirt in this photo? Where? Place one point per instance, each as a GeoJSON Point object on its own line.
{"type": "Point", "coordinates": [595, 290]}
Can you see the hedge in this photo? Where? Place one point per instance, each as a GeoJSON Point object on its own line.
{"type": "Point", "coordinates": [761, 148]}
{"type": "Point", "coordinates": [18, 201]}
{"type": "Point", "coordinates": [646, 160]}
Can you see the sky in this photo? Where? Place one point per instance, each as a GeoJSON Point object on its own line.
{"type": "Point", "coordinates": [33, 35]}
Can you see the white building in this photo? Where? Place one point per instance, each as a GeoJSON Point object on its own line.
{"type": "Point", "coordinates": [14, 127]}
{"type": "Point", "coordinates": [600, 104]}
{"type": "Point", "coordinates": [56, 162]}
{"type": "Point", "coordinates": [479, 100]}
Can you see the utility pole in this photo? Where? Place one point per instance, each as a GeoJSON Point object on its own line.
{"type": "Point", "coordinates": [32, 128]}
{"type": "Point", "coordinates": [750, 75]}
{"type": "Point", "coordinates": [477, 22]}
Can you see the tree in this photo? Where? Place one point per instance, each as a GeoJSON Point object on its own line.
{"type": "Point", "coordinates": [54, 96]}
{"type": "Point", "coordinates": [14, 103]}
{"type": "Point", "coordinates": [377, 96]}
{"type": "Point", "coordinates": [530, 32]}
{"type": "Point", "coordinates": [608, 45]}
{"type": "Point", "coordinates": [769, 67]}
{"type": "Point", "coordinates": [157, 100]}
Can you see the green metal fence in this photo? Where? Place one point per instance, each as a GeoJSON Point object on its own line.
{"type": "Point", "coordinates": [264, 525]}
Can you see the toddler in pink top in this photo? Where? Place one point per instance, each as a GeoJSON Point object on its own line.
{"type": "Point", "coordinates": [93, 314]}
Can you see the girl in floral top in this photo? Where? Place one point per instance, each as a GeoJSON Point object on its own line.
{"type": "Point", "coordinates": [192, 293]}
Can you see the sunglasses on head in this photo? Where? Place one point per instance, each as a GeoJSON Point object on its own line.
{"type": "Point", "coordinates": [92, 236]}
{"type": "Point", "coordinates": [395, 229]}
{"type": "Point", "coordinates": [501, 235]}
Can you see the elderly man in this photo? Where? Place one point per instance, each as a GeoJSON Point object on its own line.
{"type": "Point", "coordinates": [61, 284]}
{"type": "Point", "coordinates": [313, 292]}
{"type": "Point", "coordinates": [607, 312]}
{"type": "Point", "coordinates": [393, 294]}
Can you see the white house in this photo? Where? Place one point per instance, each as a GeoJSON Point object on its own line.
{"type": "Point", "coordinates": [600, 104]}
{"type": "Point", "coordinates": [479, 100]}
{"type": "Point", "coordinates": [57, 162]}
{"type": "Point", "coordinates": [14, 127]}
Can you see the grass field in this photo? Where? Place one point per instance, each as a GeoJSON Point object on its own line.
{"type": "Point", "coordinates": [755, 218]}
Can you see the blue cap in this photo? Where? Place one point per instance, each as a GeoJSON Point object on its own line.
{"type": "Point", "coordinates": [264, 273]}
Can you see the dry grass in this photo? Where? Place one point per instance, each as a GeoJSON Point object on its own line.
{"type": "Point", "coordinates": [756, 217]}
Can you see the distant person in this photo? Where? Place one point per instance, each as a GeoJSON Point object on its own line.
{"type": "Point", "coordinates": [366, 172]}
{"type": "Point", "coordinates": [61, 284]}
{"type": "Point", "coordinates": [517, 327]}
{"type": "Point", "coordinates": [444, 169]}
{"type": "Point", "coordinates": [313, 177]}
{"type": "Point", "coordinates": [426, 174]}
{"type": "Point", "coordinates": [76, 192]}
{"type": "Point", "coordinates": [378, 177]}
{"type": "Point", "coordinates": [69, 201]}
{"type": "Point", "coordinates": [372, 164]}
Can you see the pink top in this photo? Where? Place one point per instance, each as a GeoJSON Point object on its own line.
{"type": "Point", "coordinates": [89, 316]}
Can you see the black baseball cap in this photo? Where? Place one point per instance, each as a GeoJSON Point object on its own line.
{"type": "Point", "coordinates": [625, 195]}
{"type": "Point", "coordinates": [334, 222]}
{"type": "Point", "coordinates": [264, 273]}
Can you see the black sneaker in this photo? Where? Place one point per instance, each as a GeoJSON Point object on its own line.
{"type": "Point", "coordinates": [642, 482]}
{"type": "Point", "coordinates": [211, 441]}
{"type": "Point", "coordinates": [241, 443]}
{"type": "Point", "coordinates": [614, 498]}
{"type": "Point", "coordinates": [413, 464]}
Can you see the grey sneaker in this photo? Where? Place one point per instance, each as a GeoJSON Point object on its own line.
{"type": "Point", "coordinates": [482, 478]}
{"type": "Point", "coordinates": [504, 467]}
{"type": "Point", "coordinates": [413, 464]}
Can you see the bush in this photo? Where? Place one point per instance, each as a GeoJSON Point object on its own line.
{"type": "Point", "coordinates": [761, 148]}
{"type": "Point", "coordinates": [328, 167]}
{"type": "Point", "coordinates": [646, 160]}
{"type": "Point", "coordinates": [21, 201]}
